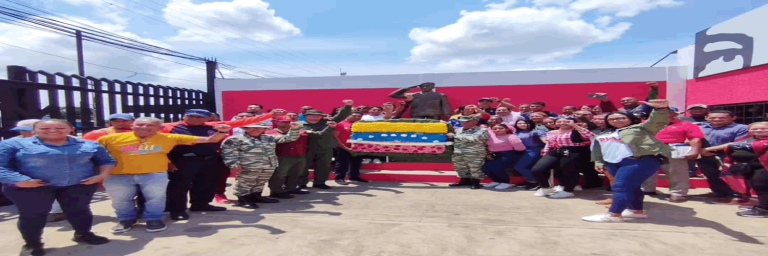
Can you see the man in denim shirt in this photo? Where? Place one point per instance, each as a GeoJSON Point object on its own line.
{"type": "Point", "coordinates": [719, 129]}
{"type": "Point", "coordinates": [50, 166]}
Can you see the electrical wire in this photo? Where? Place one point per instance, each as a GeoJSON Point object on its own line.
{"type": "Point", "coordinates": [64, 28]}
{"type": "Point", "coordinates": [54, 55]}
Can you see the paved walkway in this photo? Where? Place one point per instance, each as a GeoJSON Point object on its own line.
{"type": "Point", "coordinates": [403, 219]}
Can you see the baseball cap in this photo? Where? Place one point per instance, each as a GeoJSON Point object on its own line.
{"type": "Point", "coordinates": [697, 106]}
{"type": "Point", "coordinates": [198, 112]}
{"type": "Point", "coordinates": [122, 116]}
{"type": "Point", "coordinates": [313, 112]}
{"type": "Point", "coordinates": [283, 119]}
{"type": "Point", "coordinates": [25, 125]}
{"type": "Point", "coordinates": [468, 118]}
{"type": "Point", "coordinates": [257, 125]}
{"type": "Point", "coordinates": [676, 110]}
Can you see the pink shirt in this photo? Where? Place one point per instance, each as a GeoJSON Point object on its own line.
{"type": "Point", "coordinates": [505, 143]}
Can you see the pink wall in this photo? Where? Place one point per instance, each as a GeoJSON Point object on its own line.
{"type": "Point", "coordinates": [745, 85]}
{"type": "Point", "coordinates": [555, 95]}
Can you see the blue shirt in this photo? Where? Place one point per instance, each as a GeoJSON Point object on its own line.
{"type": "Point", "coordinates": [532, 139]}
{"type": "Point", "coordinates": [57, 166]}
{"type": "Point", "coordinates": [302, 117]}
{"type": "Point", "coordinates": [722, 135]}
{"type": "Point", "coordinates": [200, 149]}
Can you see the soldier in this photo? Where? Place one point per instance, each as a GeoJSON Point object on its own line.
{"type": "Point", "coordinates": [254, 153]}
{"type": "Point", "coordinates": [469, 151]}
{"type": "Point", "coordinates": [321, 145]}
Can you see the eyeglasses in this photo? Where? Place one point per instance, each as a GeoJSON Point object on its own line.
{"type": "Point", "coordinates": [617, 119]}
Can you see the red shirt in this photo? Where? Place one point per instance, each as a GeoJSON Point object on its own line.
{"type": "Point", "coordinates": [345, 132]}
{"type": "Point", "coordinates": [293, 148]}
{"type": "Point", "coordinates": [678, 131]}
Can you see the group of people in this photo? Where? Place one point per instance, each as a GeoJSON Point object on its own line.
{"type": "Point", "coordinates": [149, 167]}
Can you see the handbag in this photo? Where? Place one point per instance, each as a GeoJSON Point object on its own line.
{"type": "Point", "coordinates": [679, 150]}
{"type": "Point", "coordinates": [740, 169]}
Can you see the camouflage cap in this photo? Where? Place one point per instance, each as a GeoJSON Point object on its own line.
{"type": "Point", "coordinates": [258, 125]}
{"type": "Point", "coordinates": [469, 118]}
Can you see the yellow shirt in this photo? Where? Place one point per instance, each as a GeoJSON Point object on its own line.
{"type": "Point", "coordinates": [139, 156]}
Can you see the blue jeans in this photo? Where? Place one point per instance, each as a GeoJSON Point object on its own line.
{"type": "Point", "coordinates": [122, 189]}
{"type": "Point", "coordinates": [526, 161]}
{"type": "Point", "coordinates": [496, 169]}
{"type": "Point", "coordinates": [629, 175]}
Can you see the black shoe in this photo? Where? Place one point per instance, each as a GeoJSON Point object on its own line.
{"type": "Point", "coordinates": [361, 180]}
{"type": "Point", "coordinates": [56, 217]}
{"type": "Point", "coordinates": [299, 192]}
{"type": "Point", "coordinates": [124, 226]}
{"type": "Point", "coordinates": [321, 186]}
{"type": "Point", "coordinates": [755, 212]}
{"type": "Point", "coordinates": [532, 187]}
{"type": "Point", "coordinates": [90, 238]}
{"type": "Point", "coordinates": [462, 182]}
{"type": "Point", "coordinates": [246, 202]}
{"type": "Point", "coordinates": [302, 186]}
{"type": "Point", "coordinates": [179, 216]}
{"type": "Point", "coordinates": [155, 226]}
{"type": "Point", "coordinates": [33, 249]}
{"type": "Point", "coordinates": [257, 198]}
{"type": "Point", "coordinates": [475, 184]}
{"type": "Point", "coordinates": [651, 193]}
{"type": "Point", "coordinates": [207, 208]}
{"type": "Point", "coordinates": [282, 196]}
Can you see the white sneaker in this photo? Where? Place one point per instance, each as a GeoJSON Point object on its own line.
{"type": "Point", "coordinates": [632, 215]}
{"type": "Point", "coordinates": [490, 185]}
{"type": "Point", "coordinates": [366, 161]}
{"type": "Point", "coordinates": [503, 186]}
{"type": "Point", "coordinates": [558, 188]}
{"type": "Point", "coordinates": [542, 192]}
{"type": "Point", "coordinates": [376, 161]}
{"type": "Point", "coordinates": [577, 188]}
{"type": "Point", "coordinates": [561, 194]}
{"type": "Point", "coordinates": [602, 218]}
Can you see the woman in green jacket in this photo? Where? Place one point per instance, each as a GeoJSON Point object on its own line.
{"type": "Point", "coordinates": [631, 153]}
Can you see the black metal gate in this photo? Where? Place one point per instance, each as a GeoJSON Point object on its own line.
{"type": "Point", "coordinates": [87, 101]}
{"type": "Point", "coordinates": [746, 113]}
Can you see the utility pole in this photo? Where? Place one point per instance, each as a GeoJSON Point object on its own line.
{"type": "Point", "coordinates": [80, 61]}
{"type": "Point", "coordinates": [210, 73]}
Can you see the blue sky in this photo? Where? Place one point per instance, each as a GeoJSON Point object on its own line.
{"type": "Point", "coordinates": [381, 37]}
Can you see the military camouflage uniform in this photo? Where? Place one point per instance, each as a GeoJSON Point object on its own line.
{"type": "Point", "coordinates": [469, 152]}
{"type": "Point", "coordinates": [257, 158]}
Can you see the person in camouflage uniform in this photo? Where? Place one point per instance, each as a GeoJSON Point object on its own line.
{"type": "Point", "coordinates": [469, 151]}
{"type": "Point", "coordinates": [254, 153]}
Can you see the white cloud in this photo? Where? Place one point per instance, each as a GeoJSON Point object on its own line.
{"type": "Point", "coordinates": [550, 2]}
{"type": "Point", "coordinates": [55, 44]}
{"type": "Point", "coordinates": [622, 8]}
{"type": "Point", "coordinates": [603, 21]}
{"type": "Point", "coordinates": [253, 18]}
{"type": "Point", "coordinates": [522, 34]}
{"type": "Point", "coordinates": [501, 6]}
{"type": "Point", "coordinates": [547, 31]}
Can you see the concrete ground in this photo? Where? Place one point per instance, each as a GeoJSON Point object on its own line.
{"type": "Point", "coordinates": [422, 219]}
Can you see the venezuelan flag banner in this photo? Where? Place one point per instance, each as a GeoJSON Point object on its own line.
{"type": "Point", "coordinates": [401, 136]}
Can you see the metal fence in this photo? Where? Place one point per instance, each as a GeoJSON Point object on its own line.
{"type": "Point", "coordinates": [87, 101]}
{"type": "Point", "coordinates": [746, 113]}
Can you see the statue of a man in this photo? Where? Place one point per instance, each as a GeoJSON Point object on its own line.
{"type": "Point", "coordinates": [426, 104]}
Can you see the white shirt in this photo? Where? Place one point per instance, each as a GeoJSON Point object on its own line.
{"type": "Point", "coordinates": [613, 148]}
{"type": "Point", "coordinates": [372, 118]}
{"type": "Point", "coordinates": [512, 118]}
